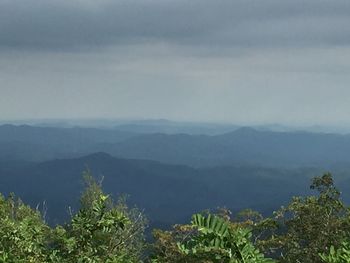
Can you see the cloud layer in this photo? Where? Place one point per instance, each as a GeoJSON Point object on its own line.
{"type": "Point", "coordinates": [243, 61]}
{"type": "Point", "coordinates": [64, 24]}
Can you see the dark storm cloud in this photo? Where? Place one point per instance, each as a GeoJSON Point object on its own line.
{"type": "Point", "coordinates": [73, 24]}
{"type": "Point", "coordinates": [245, 61]}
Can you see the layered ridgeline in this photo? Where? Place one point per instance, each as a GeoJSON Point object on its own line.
{"type": "Point", "coordinates": [167, 193]}
{"type": "Point", "coordinates": [244, 146]}
{"type": "Point", "coordinates": [30, 143]}
{"type": "Point", "coordinates": [170, 175]}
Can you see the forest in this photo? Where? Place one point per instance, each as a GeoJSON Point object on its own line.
{"type": "Point", "coordinates": [309, 229]}
{"type": "Point", "coordinates": [174, 131]}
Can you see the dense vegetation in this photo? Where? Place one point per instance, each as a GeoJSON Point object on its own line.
{"type": "Point", "coordinates": [157, 187]}
{"type": "Point", "coordinates": [309, 229]}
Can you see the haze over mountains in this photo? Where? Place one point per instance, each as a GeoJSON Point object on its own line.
{"type": "Point", "coordinates": [243, 146]}
{"type": "Point", "coordinates": [168, 193]}
{"type": "Point", "coordinates": [170, 175]}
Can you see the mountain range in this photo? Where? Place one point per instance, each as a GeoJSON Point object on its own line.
{"type": "Point", "coordinates": [167, 193]}
{"type": "Point", "coordinates": [244, 146]}
{"type": "Point", "coordinates": [170, 176]}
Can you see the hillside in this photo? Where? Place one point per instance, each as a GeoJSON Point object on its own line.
{"type": "Point", "coordinates": [244, 146]}
{"type": "Point", "coordinates": [31, 143]}
{"type": "Point", "coordinates": [168, 193]}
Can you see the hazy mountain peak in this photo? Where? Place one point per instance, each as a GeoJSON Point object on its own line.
{"type": "Point", "coordinates": [98, 156]}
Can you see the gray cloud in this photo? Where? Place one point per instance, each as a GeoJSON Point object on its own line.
{"type": "Point", "coordinates": [243, 61]}
{"type": "Point", "coordinates": [74, 24]}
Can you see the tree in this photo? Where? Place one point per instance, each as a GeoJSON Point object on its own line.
{"type": "Point", "coordinates": [341, 255]}
{"type": "Point", "coordinates": [209, 239]}
{"type": "Point", "coordinates": [313, 229]}
{"type": "Point", "coordinates": [23, 233]}
{"type": "Point", "coordinates": [101, 232]}
{"type": "Point", "coordinates": [309, 226]}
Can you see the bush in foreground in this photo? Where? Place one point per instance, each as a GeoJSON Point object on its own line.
{"type": "Point", "coordinates": [313, 229]}
{"type": "Point", "coordinates": [102, 231]}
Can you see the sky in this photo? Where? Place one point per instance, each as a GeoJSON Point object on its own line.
{"type": "Point", "coordinates": [236, 61]}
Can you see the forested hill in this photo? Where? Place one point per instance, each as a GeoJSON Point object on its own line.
{"type": "Point", "coordinates": [168, 193]}
{"type": "Point", "coordinates": [31, 143]}
{"type": "Point", "coordinates": [171, 176]}
{"type": "Point", "coordinates": [244, 146]}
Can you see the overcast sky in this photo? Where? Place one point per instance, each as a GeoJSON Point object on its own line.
{"type": "Point", "coordinates": [238, 61]}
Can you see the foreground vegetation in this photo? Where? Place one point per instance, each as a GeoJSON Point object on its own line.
{"type": "Point", "coordinates": [309, 229]}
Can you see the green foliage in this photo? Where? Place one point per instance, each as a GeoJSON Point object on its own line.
{"type": "Point", "coordinates": [341, 255]}
{"type": "Point", "coordinates": [208, 239]}
{"type": "Point", "coordinates": [101, 232]}
{"type": "Point", "coordinates": [313, 229]}
{"type": "Point", "coordinates": [308, 226]}
{"type": "Point", "coordinates": [22, 232]}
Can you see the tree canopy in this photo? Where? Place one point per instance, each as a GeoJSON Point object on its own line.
{"type": "Point", "coordinates": [311, 229]}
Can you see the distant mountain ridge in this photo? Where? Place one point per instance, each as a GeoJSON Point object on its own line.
{"type": "Point", "coordinates": [168, 193]}
{"type": "Point", "coordinates": [244, 146]}
{"type": "Point", "coordinates": [31, 143]}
